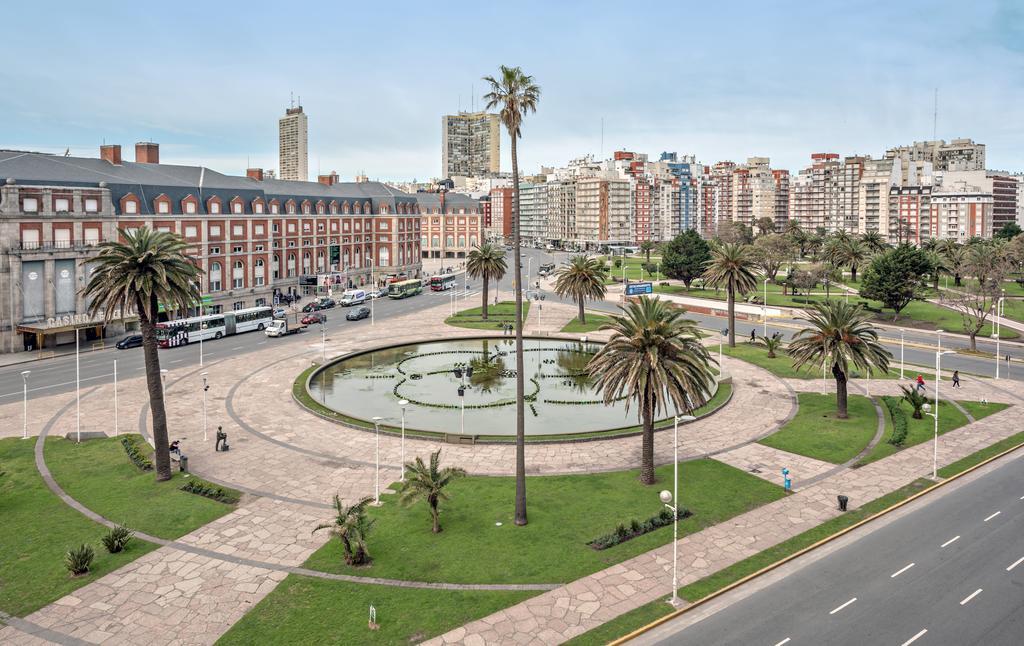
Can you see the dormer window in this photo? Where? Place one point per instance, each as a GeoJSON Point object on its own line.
{"type": "Point", "coordinates": [131, 206]}
{"type": "Point", "coordinates": [163, 207]}
{"type": "Point", "coordinates": [190, 208]}
{"type": "Point", "coordinates": [236, 208]}
{"type": "Point", "coordinates": [214, 207]}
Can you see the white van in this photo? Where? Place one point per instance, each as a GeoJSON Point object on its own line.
{"type": "Point", "coordinates": [353, 297]}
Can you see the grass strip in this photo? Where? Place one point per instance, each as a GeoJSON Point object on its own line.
{"type": "Point", "coordinates": [980, 456]}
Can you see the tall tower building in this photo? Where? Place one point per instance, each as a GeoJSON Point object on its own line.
{"type": "Point", "coordinates": [293, 145]}
{"type": "Point", "coordinates": [470, 144]}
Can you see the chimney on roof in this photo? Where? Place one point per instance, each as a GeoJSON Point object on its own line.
{"type": "Point", "coordinates": [111, 153]}
{"type": "Point", "coordinates": [254, 173]}
{"type": "Point", "coordinates": [147, 152]}
{"type": "Point", "coordinates": [328, 180]}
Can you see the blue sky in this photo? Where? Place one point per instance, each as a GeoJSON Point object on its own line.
{"type": "Point", "coordinates": [208, 80]}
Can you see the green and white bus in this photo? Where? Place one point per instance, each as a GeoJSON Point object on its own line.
{"type": "Point", "coordinates": [404, 288]}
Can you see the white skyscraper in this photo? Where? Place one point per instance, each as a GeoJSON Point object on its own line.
{"type": "Point", "coordinates": [293, 145]}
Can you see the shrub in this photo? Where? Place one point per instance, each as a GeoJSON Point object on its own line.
{"type": "Point", "coordinates": [117, 539]}
{"type": "Point", "coordinates": [78, 560]}
{"type": "Point", "coordinates": [899, 421]}
{"type": "Point", "coordinates": [915, 399]}
{"type": "Point", "coordinates": [202, 488]}
{"type": "Point", "coordinates": [636, 528]}
{"type": "Point", "coordinates": [136, 454]}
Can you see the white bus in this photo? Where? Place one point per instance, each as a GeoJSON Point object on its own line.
{"type": "Point", "coordinates": [171, 334]}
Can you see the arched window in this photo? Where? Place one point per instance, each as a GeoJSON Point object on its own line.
{"type": "Point", "coordinates": [462, 241]}
{"type": "Point", "coordinates": [238, 275]}
{"type": "Point", "coordinates": [423, 241]}
{"type": "Point", "coordinates": [384, 257]}
{"type": "Point", "coordinates": [257, 273]}
{"type": "Point", "coordinates": [291, 265]}
{"type": "Point", "coordinates": [401, 254]}
{"type": "Point", "coordinates": [435, 241]}
{"type": "Point", "coordinates": [275, 266]}
{"type": "Point", "coordinates": [347, 257]}
{"type": "Point", "coordinates": [449, 241]}
{"type": "Point", "coordinates": [472, 241]}
{"type": "Point", "coordinates": [215, 284]}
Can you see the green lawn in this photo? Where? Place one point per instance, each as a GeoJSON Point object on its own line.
{"type": "Point", "coordinates": [932, 317]}
{"type": "Point", "coordinates": [645, 614]}
{"type": "Point", "coordinates": [565, 513]}
{"type": "Point", "coordinates": [37, 529]}
{"type": "Point", "coordinates": [97, 474]}
{"type": "Point", "coordinates": [980, 456]}
{"type": "Point", "coordinates": [918, 430]}
{"type": "Point", "coordinates": [497, 315]}
{"type": "Point", "coordinates": [979, 410]}
{"type": "Point", "coordinates": [305, 610]}
{"type": "Point", "coordinates": [817, 433]}
{"type": "Point", "coordinates": [633, 266]}
{"type": "Point", "coordinates": [594, 321]}
{"type": "Point", "coordinates": [782, 365]}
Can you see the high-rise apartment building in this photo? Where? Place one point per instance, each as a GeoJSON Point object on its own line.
{"type": "Point", "coordinates": [781, 179]}
{"type": "Point", "coordinates": [533, 211]}
{"type": "Point", "coordinates": [603, 210]}
{"type": "Point", "coordinates": [960, 211]}
{"type": "Point", "coordinates": [293, 145]}
{"type": "Point", "coordinates": [470, 144]}
{"type": "Point", "coordinates": [957, 155]}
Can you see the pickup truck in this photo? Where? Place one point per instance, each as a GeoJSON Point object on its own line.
{"type": "Point", "coordinates": [281, 327]}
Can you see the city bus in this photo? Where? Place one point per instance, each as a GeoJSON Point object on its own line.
{"type": "Point", "coordinates": [404, 288]}
{"type": "Point", "coordinates": [172, 334]}
{"type": "Point", "coordinates": [442, 283]}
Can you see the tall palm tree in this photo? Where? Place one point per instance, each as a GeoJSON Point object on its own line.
{"type": "Point", "coordinates": [655, 359]}
{"type": "Point", "coordinates": [516, 94]}
{"type": "Point", "coordinates": [351, 526]}
{"type": "Point", "coordinates": [840, 334]}
{"type": "Point", "coordinates": [427, 482]}
{"type": "Point", "coordinates": [852, 253]}
{"type": "Point", "coordinates": [957, 259]}
{"type": "Point", "coordinates": [874, 242]}
{"type": "Point", "coordinates": [582, 278]}
{"type": "Point", "coordinates": [138, 273]}
{"type": "Point", "coordinates": [731, 267]}
{"type": "Point", "coordinates": [646, 247]}
{"type": "Point", "coordinates": [486, 261]}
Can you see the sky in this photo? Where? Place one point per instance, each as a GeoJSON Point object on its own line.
{"type": "Point", "coordinates": [726, 80]}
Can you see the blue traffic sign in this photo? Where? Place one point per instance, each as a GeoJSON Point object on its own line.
{"type": "Point", "coordinates": [635, 289]}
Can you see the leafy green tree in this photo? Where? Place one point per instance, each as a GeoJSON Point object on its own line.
{"type": "Point", "coordinates": [839, 334]}
{"type": "Point", "coordinates": [351, 527]}
{"type": "Point", "coordinates": [765, 226]}
{"type": "Point", "coordinates": [731, 267]}
{"type": "Point", "coordinates": [770, 251]}
{"type": "Point", "coordinates": [582, 279]}
{"type": "Point", "coordinates": [515, 94]}
{"type": "Point", "coordinates": [685, 257]}
{"type": "Point", "coordinates": [1009, 231]}
{"type": "Point", "coordinates": [486, 261]}
{"type": "Point", "coordinates": [799, 237]}
{"type": "Point", "coordinates": [428, 482]}
{"type": "Point", "coordinates": [654, 359]}
{"type": "Point", "coordinates": [846, 252]}
{"type": "Point", "coordinates": [138, 273]}
{"type": "Point", "coordinates": [976, 301]}
{"type": "Point", "coordinates": [894, 277]}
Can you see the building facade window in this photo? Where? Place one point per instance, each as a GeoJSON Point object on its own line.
{"type": "Point", "coordinates": [30, 205]}
{"type": "Point", "coordinates": [215, 277]}
{"type": "Point", "coordinates": [238, 275]}
{"type": "Point", "coordinates": [92, 205]}
{"type": "Point", "coordinates": [62, 205]}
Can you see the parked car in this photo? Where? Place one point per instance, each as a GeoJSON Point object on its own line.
{"type": "Point", "coordinates": [313, 318]}
{"type": "Point", "coordinates": [280, 313]}
{"type": "Point", "coordinates": [312, 306]}
{"type": "Point", "coordinates": [132, 341]}
{"type": "Point", "coordinates": [358, 313]}
{"type": "Point", "coordinates": [325, 303]}
{"type": "Point", "coordinates": [381, 293]}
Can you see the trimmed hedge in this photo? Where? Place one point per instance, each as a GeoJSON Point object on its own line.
{"type": "Point", "coordinates": [137, 454]}
{"type": "Point", "coordinates": [636, 528]}
{"type": "Point", "coordinates": [203, 488]}
{"type": "Point", "coordinates": [899, 420]}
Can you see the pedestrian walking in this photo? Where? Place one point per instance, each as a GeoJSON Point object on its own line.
{"type": "Point", "coordinates": [753, 335]}
{"type": "Point", "coordinates": [956, 379]}
{"type": "Point", "coordinates": [920, 384]}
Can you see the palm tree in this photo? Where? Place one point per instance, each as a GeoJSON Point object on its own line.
{"type": "Point", "coordinates": [424, 482]}
{"type": "Point", "coordinates": [351, 526]}
{"type": "Point", "coordinates": [654, 358]}
{"type": "Point", "coordinates": [874, 242]}
{"type": "Point", "coordinates": [486, 261]}
{"type": "Point", "coordinates": [516, 94]}
{"type": "Point", "coordinates": [582, 278]}
{"type": "Point", "coordinates": [771, 343]}
{"type": "Point", "coordinates": [956, 261]}
{"type": "Point", "coordinates": [939, 263]}
{"type": "Point", "coordinates": [646, 247]}
{"type": "Point", "coordinates": [138, 273]}
{"type": "Point", "coordinates": [730, 267]}
{"type": "Point", "coordinates": [852, 253]}
{"type": "Point", "coordinates": [915, 399]}
{"type": "Point", "coordinates": [842, 334]}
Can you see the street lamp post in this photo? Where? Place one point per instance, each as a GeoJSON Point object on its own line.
{"type": "Point", "coordinates": [901, 353]}
{"type": "Point", "coordinates": [376, 478]}
{"type": "Point", "coordinates": [24, 403]}
{"type": "Point", "coordinates": [926, 407]}
{"type": "Point", "coordinates": [373, 286]}
{"type": "Point", "coordinates": [403, 403]}
{"type": "Point", "coordinates": [938, 376]}
{"type": "Point", "coordinates": [996, 334]}
{"type": "Point", "coordinates": [163, 382]}
{"type": "Point", "coordinates": [206, 387]}
{"type": "Point", "coordinates": [115, 399]}
{"type": "Point", "coordinates": [78, 394]}
{"type": "Point", "coordinates": [671, 500]}
{"type": "Point", "coordinates": [764, 309]}
{"type": "Point", "coordinates": [202, 333]}
{"type": "Point", "coordinates": [323, 338]}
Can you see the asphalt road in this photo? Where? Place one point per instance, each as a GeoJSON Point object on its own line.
{"type": "Point", "coordinates": [950, 571]}
{"type": "Point", "coordinates": [50, 376]}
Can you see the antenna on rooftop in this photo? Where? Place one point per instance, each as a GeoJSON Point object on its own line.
{"type": "Point", "coordinates": [602, 139]}
{"type": "Point", "coordinates": [935, 116]}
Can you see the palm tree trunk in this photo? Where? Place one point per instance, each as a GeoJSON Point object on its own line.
{"type": "Point", "coordinates": [436, 517]}
{"type": "Point", "coordinates": [840, 391]}
{"type": "Point", "coordinates": [732, 316]}
{"type": "Point", "coordinates": [483, 310]}
{"type": "Point", "coordinates": [520, 517]}
{"type": "Point", "coordinates": [956, 280]}
{"type": "Point", "coordinates": [853, 273]}
{"type": "Point", "coordinates": [647, 449]}
{"type": "Point", "coordinates": [583, 315]}
{"type": "Point", "coordinates": [156, 392]}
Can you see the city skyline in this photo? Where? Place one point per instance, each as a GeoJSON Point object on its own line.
{"type": "Point", "coordinates": [820, 88]}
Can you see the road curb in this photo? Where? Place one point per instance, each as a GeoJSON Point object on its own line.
{"type": "Point", "coordinates": [750, 577]}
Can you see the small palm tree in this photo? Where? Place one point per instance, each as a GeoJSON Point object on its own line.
{"type": "Point", "coordinates": [874, 242]}
{"type": "Point", "coordinates": [351, 526]}
{"type": "Point", "coordinates": [423, 482]}
{"type": "Point", "coordinates": [646, 247]}
{"type": "Point", "coordinates": [915, 399]}
{"type": "Point", "coordinates": [731, 267]}
{"type": "Point", "coordinates": [654, 358]}
{"type": "Point", "coordinates": [486, 261]}
{"type": "Point", "coordinates": [771, 344]}
{"type": "Point", "coordinates": [138, 273]}
{"type": "Point", "coordinates": [582, 279]}
{"type": "Point", "coordinates": [840, 334]}
{"type": "Point", "coordinates": [516, 94]}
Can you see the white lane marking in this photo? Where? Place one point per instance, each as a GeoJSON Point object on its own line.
{"type": "Point", "coordinates": [843, 606]}
{"type": "Point", "coordinates": [241, 347]}
{"type": "Point", "coordinates": [915, 637]}
{"type": "Point", "coordinates": [992, 516]}
{"type": "Point", "coordinates": [971, 596]}
{"type": "Point", "coordinates": [1016, 563]}
{"type": "Point", "coordinates": [63, 383]}
{"type": "Point", "coordinates": [952, 540]}
{"type": "Point", "coordinates": [784, 641]}
{"type": "Point", "coordinates": [900, 571]}
{"type": "Point", "coordinates": [177, 361]}
{"type": "Point", "coordinates": [1022, 497]}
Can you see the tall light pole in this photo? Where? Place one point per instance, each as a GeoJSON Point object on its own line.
{"type": "Point", "coordinates": [376, 477]}
{"type": "Point", "coordinates": [323, 338]}
{"type": "Point", "coordinates": [163, 382]}
{"type": "Point", "coordinates": [403, 403]}
{"type": "Point", "coordinates": [24, 403]}
{"type": "Point", "coordinates": [202, 333]}
{"type": "Point", "coordinates": [935, 446]}
{"type": "Point", "coordinates": [764, 309]}
{"type": "Point", "coordinates": [938, 376]}
{"type": "Point", "coordinates": [668, 498]}
{"type": "Point", "coordinates": [206, 387]}
{"type": "Point", "coordinates": [78, 394]}
{"type": "Point", "coordinates": [115, 399]}
{"type": "Point", "coordinates": [996, 334]}
{"type": "Point", "coordinates": [373, 286]}
{"type": "Point", "coordinates": [901, 353]}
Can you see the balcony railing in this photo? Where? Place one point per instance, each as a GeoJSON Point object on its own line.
{"type": "Point", "coordinates": [54, 245]}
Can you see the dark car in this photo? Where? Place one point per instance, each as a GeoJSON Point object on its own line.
{"type": "Point", "coordinates": [326, 303]}
{"type": "Point", "coordinates": [133, 341]}
{"type": "Point", "coordinates": [311, 307]}
{"type": "Point", "coordinates": [358, 313]}
{"type": "Point", "coordinates": [313, 318]}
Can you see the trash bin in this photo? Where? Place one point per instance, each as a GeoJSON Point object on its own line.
{"type": "Point", "coordinates": [843, 500]}
{"type": "Point", "coordinates": [183, 464]}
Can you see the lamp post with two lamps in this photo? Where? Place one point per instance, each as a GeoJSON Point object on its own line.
{"type": "Point", "coordinates": [671, 500]}
{"type": "Point", "coordinates": [462, 374]}
{"type": "Point", "coordinates": [927, 411]}
{"type": "Point", "coordinates": [403, 403]}
{"type": "Point", "coordinates": [764, 309]}
{"type": "Point", "coordinates": [998, 327]}
{"type": "Point", "coordinates": [206, 387]}
{"type": "Point", "coordinates": [24, 404]}
{"type": "Point", "coordinates": [376, 477]}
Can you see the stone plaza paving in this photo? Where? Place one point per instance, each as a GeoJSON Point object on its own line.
{"type": "Point", "coordinates": [290, 464]}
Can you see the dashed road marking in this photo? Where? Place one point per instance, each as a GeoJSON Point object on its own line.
{"type": "Point", "coordinates": [900, 571]}
{"type": "Point", "coordinates": [784, 641]}
{"type": "Point", "coordinates": [970, 596]}
{"type": "Point", "coordinates": [952, 540]}
{"type": "Point", "coordinates": [843, 606]}
{"type": "Point", "coordinates": [915, 637]}
{"type": "Point", "coordinates": [1015, 563]}
{"type": "Point", "coordinates": [992, 516]}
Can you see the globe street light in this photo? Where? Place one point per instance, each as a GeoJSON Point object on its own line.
{"type": "Point", "coordinates": [206, 387]}
{"type": "Point", "coordinates": [764, 308]}
{"type": "Point", "coordinates": [24, 404]}
{"type": "Point", "coordinates": [403, 403]}
{"type": "Point", "coordinates": [668, 497]}
{"type": "Point", "coordinates": [376, 478]}
{"type": "Point", "coordinates": [927, 411]}
{"type": "Point", "coordinates": [115, 399]}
